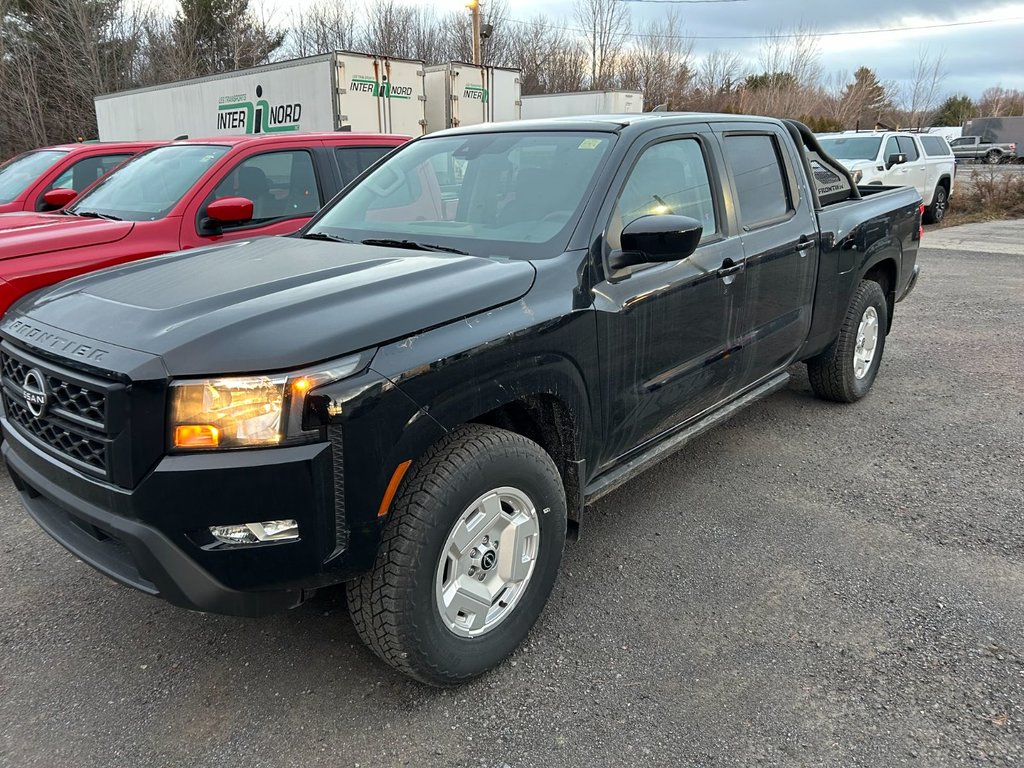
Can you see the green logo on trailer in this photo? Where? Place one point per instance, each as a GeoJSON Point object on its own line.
{"type": "Point", "coordinates": [387, 90]}
{"type": "Point", "coordinates": [477, 92]}
{"type": "Point", "coordinates": [257, 117]}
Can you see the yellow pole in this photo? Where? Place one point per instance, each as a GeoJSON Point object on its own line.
{"type": "Point", "coordinates": [474, 8]}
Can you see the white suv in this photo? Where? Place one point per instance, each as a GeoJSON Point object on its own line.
{"type": "Point", "coordinates": [895, 159]}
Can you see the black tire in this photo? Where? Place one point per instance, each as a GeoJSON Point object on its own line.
{"type": "Point", "coordinates": [832, 372]}
{"type": "Point", "coordinates": [394, 606]}
{"type": "Point", "coordinates": [992, 157]}
{"type": "Point", "coordinates": [935, 212]}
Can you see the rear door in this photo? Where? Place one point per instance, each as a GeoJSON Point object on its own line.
{"type": "Point", "coordinates": [664, 329]}
{"type": "Point", "coordinates": [286, 182]}
{"type": "Point", "coordinates": [916, 165]}
{"type": "Point", "coordinates": [780, 245]}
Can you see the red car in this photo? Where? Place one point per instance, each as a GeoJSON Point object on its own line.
{"type": "Point", "coordinates": [30, 181]}
{"type": "Point", "coordinates": [183, 195]}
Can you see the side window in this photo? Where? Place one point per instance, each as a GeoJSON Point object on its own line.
{"type": "Point", "coordinates": [354, 160]}
{"type": "Point", "coordinates": [891, 148]}
{"type": "Point", "coordinates": [281, 185]}
{"type": "Point", "coordinates": [85, 172]}
{"type": "Point", "coordinates": [908, 147]}
{"type": "Point", "coordinates": [934, 146]}
{"type": "Point", "coordinates": [670, 177]}
{"type": "Point", "coordinates": [761, 189]}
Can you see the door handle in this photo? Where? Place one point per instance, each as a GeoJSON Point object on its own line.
{"type": "Point", "coordinates": [729, 268]}
{"type": "Point", "coordinates": [804, 243]}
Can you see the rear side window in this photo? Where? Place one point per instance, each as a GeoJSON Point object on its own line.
{"type": "Point", "coordinates": [85, 172]}
{"type": "Point", "coordinates": [281, 185]}
{"type": "Point", "coordinates": [354, 160]}
{"type": "Point", "coordinates": [908, 148]}
{"type": "Point", "coordinates": [761, 189]}
{"type": "Point", "coordinates": [935, 146]}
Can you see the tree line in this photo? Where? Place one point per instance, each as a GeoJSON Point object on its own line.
{"type": "Point", "coordinates": [56, 55]}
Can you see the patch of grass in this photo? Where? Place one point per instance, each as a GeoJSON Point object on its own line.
{"type": "Point", "coordinates": [986, 195]}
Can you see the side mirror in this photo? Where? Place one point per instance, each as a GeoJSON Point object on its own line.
{"type": "Point", "coordinates": [654, 238]}
{"type": "Point", "coordinates": [897, 159]}
{"type": "Point", "coordinates": [58, 198]}
{"type": "Point", "coordinates": [229, 210]}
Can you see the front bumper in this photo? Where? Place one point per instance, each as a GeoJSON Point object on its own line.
{"type": "Point", "coordinates": [155, 537]}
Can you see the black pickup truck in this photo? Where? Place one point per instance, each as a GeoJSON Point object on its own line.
{"type": "Point", "coordinates": [420, 392]}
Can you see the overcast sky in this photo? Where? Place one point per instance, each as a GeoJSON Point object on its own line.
{"type": "Point", "coordinates": [976, 56]}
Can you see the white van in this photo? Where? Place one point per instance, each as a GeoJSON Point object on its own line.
{"type": "Point", "coordinates": [896, 159]}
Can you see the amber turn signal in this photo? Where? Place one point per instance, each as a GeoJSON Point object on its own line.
{"type": "Point", "coordinates": [196, 436]}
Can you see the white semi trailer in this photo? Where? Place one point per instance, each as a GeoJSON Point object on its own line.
{"type": "Point", "coordinates": [464, 94]}
{"type": "Point", "coordinates": [582, 103]}
{"type": "Point", "coordinates": [329, 92]}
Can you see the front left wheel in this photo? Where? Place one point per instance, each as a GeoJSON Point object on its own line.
{"type": "Point", "coordinates": [468, 557]}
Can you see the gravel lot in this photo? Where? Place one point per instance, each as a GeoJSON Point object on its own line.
{"type": "Point", "coordinates": [810, 585]}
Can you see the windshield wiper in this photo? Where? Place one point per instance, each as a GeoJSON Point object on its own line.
{"type": "Point", "coordinates": [95, 215]}
{"type": "Point", "coordinates": [324, 236]}
{"type": "Point", "coordinates": [412, 245]}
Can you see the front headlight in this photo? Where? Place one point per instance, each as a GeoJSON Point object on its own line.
{"type": "Point", "coordinates": [248, 411]}
{"type": "Point", "coordinates": [857, 176]}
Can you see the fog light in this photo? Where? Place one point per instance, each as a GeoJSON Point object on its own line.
{"type": "Point", "coordinates": [254, 533]}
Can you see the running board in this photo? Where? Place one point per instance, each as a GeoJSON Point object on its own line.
{"type": "Point", "coordinates": [609, 482]}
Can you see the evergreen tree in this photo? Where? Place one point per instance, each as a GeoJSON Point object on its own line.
{"type": "Point", "coordinates": [956, 110]}
{"type": "Point", "coordinates": [222, 35]}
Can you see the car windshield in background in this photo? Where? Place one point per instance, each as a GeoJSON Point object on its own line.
{"type": "Point", "coordinates": [150, 185]}
{"type": "Point", "coordinates": [17, 174]}
{"type": "Point", "coordinates": [852, 147]}
{"type": "Point", "coordinates": [515, 194]}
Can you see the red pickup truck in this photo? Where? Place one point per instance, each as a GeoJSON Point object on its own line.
{"type": "Point", "coordinates": [26, 179]}
{"type": "Point", "coordinates": [183, 195]}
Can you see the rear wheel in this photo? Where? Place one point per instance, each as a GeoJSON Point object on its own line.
{"type": "Point", "coordinates": [993, 157]}
{"type": "Point", "coordinates": [845, 371]}
{"type": "Point", "coordinates": [468, 557]}
{"type": "Point", "coordinates": [935, 212]}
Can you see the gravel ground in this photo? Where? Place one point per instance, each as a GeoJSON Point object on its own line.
{"type": "Point", "coordinates": [810, 585]}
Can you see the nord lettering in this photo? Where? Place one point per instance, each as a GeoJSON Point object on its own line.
{"type": "Point", "coordinates": [285, 113]}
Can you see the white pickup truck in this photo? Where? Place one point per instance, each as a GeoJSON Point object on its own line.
{"type": "Point", "coordinates": [895, 159]}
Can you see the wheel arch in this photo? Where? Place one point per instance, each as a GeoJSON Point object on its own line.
{"type": "Point", "coordinates": [885, 272]}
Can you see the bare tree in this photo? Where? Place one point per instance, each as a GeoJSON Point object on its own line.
{"type": "Point", "coordinates": [923, 93]}
{"type": "Point", "coordinates": [550, 59]}
{"type": "Point", "coordinates": [607, 24]}
{"type": "Point", "coordinates": [660, 62]}
{"type": "Point", "coordinates": [716, 79]}
{"type": "Point", "coordinates": [788, 85]}
{"type": "Point", "coordinates": [326, 25]}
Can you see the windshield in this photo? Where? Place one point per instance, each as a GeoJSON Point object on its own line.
{"type": "Point", "coordinates": [514, 194]}
{"type": "Point", "coordinates": [150, 185]}
{"type": "Point", "coordinates": [17, 174]}
{"type": "Point", "coordinates": [852, 147]}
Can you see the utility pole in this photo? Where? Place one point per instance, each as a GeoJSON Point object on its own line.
{"type": "Point", "coordinates": [474, 8]}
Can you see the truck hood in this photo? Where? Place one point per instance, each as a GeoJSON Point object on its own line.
{"type": "Point", "coordinates": [273, 303]}
{"type": "Point", "coordinates": [26, 234]}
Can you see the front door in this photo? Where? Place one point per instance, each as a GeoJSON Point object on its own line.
{"type": "Point", "coordinates": [664, 328]}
